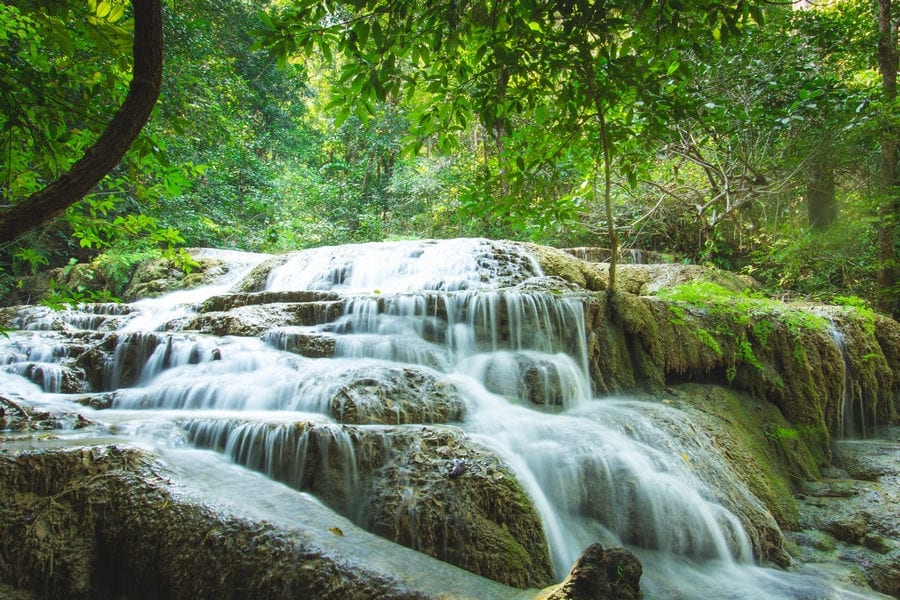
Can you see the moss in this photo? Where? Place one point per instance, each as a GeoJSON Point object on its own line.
{"type": "Point", "coordinates": [767, 452]}
{"type": "Point", "coordinates": [558, 263]}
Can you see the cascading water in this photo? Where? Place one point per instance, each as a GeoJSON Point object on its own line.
{"type": "Point", "coordinates": [470, 316]}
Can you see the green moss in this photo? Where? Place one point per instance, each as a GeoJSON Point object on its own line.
{"type": "Point", "coordinates": [767, 452]}
{"type": "Point", "coordinates": [739, 312]}
{"type": "Point", "coordinates": [679, 315]}
{"type": "Point", "coordinates": [746, 354]}
{"type": "Point", "coordinates": [761, 331]}
{"type": "Point", "coordinates": [862, 310]}
{"type": "Point", "coordinates": [705, 338]}
{"type": "Point", "coordinates": [743, 307]}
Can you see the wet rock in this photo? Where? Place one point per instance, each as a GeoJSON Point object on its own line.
{"type": "Point", "coordinates": [394, 481]}
{"type": "Point", "coordinates": [736, 423]}
{"type": "Point", "coordinates": [531, 378]}
{"type": "Point", "coordinates": [161, 275]}
{"type": "Point", "coordinates": [228, 302]}
{"type": "Point", "coordinates": [859, 515]}
{"type": "Point", "coordinates": [562, 264]}
{"type": "Point", "coordinates": [17, 416]}
{"type": "Point", "coordinates": [255, 280]}
{"type": "Point", "coordinates": [476, 517]}
{"type": "Point", "coordinates": [600, 574]}
{"type": "Point", "coordinates": [394, 395]}
{"type": "Point", "coordinates": [112, 522]}
{"type": "Point", "coordinates": [97, 401]}
{"type": "Point", "coordinates": [255, 319]}
{"type": "Point", "coordinates": [305, 341]}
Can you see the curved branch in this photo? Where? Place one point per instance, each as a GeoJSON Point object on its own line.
{"type": "Point", "coordinates": [111, 146]}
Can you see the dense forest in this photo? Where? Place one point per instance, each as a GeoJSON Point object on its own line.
{"type": "Point", "coordinates": [756, 137]}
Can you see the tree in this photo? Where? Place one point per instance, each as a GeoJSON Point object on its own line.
{"type": "Point", "coordinates": [888, 178]}
{"type": "Point", "coordinates": [596, 76]}
{"type": "Point", "coordinates": [106, 152]}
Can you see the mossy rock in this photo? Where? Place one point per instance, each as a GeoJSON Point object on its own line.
{"type": "Point", "coordinates": [429, 488]}
{"type": "Point", "coordinates": [444, 495]}
{"type": "Point", "coordinates": [763, 448]}
{"type": "Point", "coordinates": [255, 280]}
{"type": "Point", "coordinates": [160, 275]}
{"type": "Point", "coordinates": [110, 522]}
{"type": "Point", "coordinates": [559, 263]}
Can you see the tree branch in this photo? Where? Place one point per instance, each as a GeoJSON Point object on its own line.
{"type": "Point", "coordinates": [111, 146]}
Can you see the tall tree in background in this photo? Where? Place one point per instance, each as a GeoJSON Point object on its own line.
{"type": "Point", "coordinates": [106, 152]}
{"type": "Point", "coordinates": [889, 182]}
{"type": "Point", "coordinates": [596, 77]}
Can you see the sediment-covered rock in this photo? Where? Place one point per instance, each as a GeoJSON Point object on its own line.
{"type": "Point", "coordinates": [429, 488]}
{"type": "Point", "coordinates": [112, 522]}
{"type": "Point", "coordinates": [599, 574]}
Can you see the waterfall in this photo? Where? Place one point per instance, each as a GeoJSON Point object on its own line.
{"type": "Point", "coordinates": [466, 328]}
{"type": "Point", "coordinates": [851, 414]}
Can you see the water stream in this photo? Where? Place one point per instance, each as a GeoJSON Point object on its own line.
{"type": "Point", "coordinates": [472, 315]}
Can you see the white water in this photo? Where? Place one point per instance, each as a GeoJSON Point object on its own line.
{"type": "Point", "coordinates": [596, 470]}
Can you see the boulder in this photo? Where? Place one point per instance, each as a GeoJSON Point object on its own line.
{"type": "Point", "coordinates": [428, 488]}
{"type": "Point", "coordinates": [600, 574]}
{"type": "Point", "coordinates": [113, 522]}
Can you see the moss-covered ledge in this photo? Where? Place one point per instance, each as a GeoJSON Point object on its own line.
{"type": "Point", "coordinates": [829, 370]}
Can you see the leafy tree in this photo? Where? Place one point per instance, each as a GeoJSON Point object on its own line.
{"type": "Point", "coordinates": [237, 118]}
{"type": "Point", "coordinates": [594, 76]}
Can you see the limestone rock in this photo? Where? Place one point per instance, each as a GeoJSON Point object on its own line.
{"type": "Point", "coordinates": [396, 482]}
{"type": "Point", "coordinates": [600, 574]}
{"type": "Point", "coordinates": [112, 522]}
{"type": "Point", "coordinates": [160, 275]}
{"type": "Point", "coordinates": [394, 395]}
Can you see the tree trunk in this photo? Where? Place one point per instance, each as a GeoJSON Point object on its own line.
{"type": "Point", "coordinates": [111, 146]}
{"type": "Point", "coordinates": [606, 149]}
{"type": "Point", "coordinates": [820, 195]}
{"type": "Point", "coordinates": [889, 213]}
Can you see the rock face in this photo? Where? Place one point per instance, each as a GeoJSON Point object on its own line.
{"type": "Point", "coordinates": [111, 522]}
{"type": "Point", "coordinates": [377, 433]}
{"type": "Point", "coordinates": [399, 483]}
{"type": "Point", "coordinates": [849, 517]}
{"type": "Point", "coordinates": [600, 574]}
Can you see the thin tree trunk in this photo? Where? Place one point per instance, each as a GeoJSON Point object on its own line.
{"type": "Point", "coordinates": [111, 146]}
{"type": "Point", "coordinates": [587, 72]}
{"type": "Point", "coordinates": [889, 213]}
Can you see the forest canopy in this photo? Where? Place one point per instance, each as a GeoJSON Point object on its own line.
{"type": "Point", "coordinates": [757, 137]}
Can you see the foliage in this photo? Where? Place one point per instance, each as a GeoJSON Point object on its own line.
{"type": "Point", "coordinates": [68, 73]}
{"type": "Point", "coordinates": [62, 296]}
{"type": "Point", "coordinates": [587, 80]}
{"type": "Point", "coordinates": [371, 119]}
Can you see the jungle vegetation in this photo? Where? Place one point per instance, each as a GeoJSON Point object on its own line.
{"type": "Point", "coordinates": [759, 137]}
